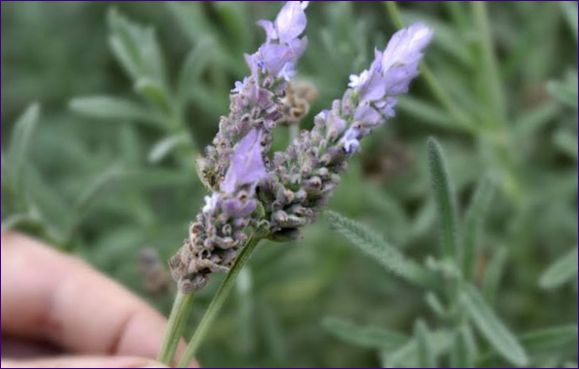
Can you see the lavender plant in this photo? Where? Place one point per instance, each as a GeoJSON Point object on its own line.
{"type": "Point", "coordinates": [256, 197]}
{"type": "Point", "coordinates": [460, 307]}
{"type": "Point", "coordinates": [119, 176]}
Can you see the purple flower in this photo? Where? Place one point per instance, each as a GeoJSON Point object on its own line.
{"type": "Point", "coordinates": [289, 24]}
{"type": "Point", "coordinates": [278, 55]}
{"type": "Point", "coordinates": [210, 203]}
{"type": "Point", "coordinates": [238, 208]}
{"type": "Point", "coordinates": [351, 139]}
{"type": "Point", "coordinates": [247, 167]}
{"type": "Point", "coordinates": [392, 70]}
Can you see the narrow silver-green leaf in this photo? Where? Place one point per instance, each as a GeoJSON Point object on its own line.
{"type": "Point", "coordinates": [19, 145]}
{"type": "Point", "coordinates": [550, 340]}
{"type": "Point", "coordinates": [194, 64]}
{"type": "Point", "coordinates": [136, 48]}
{"type": "Point", "coordinates": [493, 273]}
{"type": "Point", "coordinates": [435, 304]}
{"type": "Point", "coordinates": [569, 10]}
{"type": "Point", "coordinates": [165, 146]}
{"type": "Point", "coordinates": [364, 336]}
{"type": "Point", "coordinates": [375, 246]}
{"type": "Point", "coordinates": [88, 197]}
{"type": "Point", "coordinates": [473, 226]}
{"type": "Point", "coordinates": [565, 91]}
{"type": "Point", "coordinates": [534, 119]}
{"type": "Point", "coordinates": [427, 113]}
{"type": "Point", "coordinates": [566, 141]}
{"type": "Point", "coordinates": [491, 328]}
{"type": "Point", "coordinates": [113, 108]}
{"type": "Point", "coordinates": [426, 358]}
{"type": "Point", "coordinates": [444, 196]}
{"type": "Point", "coordinates": [155, 93]}
{"type": "Point", "coordinates": [407, 355]}
{"type": "Point", "coordinates": [463, 350]}
{"type": "Point", "coordinates": [561, 271]}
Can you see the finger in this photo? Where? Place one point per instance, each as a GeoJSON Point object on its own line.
{"type": "Point", "coordinates": [84, 362]}
{"type": "Point", "coordinates": [49, 295]}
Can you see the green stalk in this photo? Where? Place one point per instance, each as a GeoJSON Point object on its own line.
{"type": "Point", "coordinates": [217, 302]}
{"type": "Point", "coordinates": [177, 319]}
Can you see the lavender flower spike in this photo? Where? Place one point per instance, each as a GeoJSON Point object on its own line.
{"type": "Point", "coordinates": [219, 230]}
{"type": "Point", "coordinates": [305, 175]}
{"type": "Point", "coordinates": [283, 47]}
{"type": "Point", "coordinates": [389, 76]}
{"type": "Point", "coordinates": [258, 101]}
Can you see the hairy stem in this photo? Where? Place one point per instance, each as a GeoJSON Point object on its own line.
{"type": "Point", "coordinates": [217, 302]}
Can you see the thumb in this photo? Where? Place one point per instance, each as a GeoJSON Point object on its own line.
{"type": "Point", "coordinates": [84, 362]}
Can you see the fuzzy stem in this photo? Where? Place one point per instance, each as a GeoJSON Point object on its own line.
{"type": "Point", "coordinates": [217, 302]}
{"type": "Point", "coordinates": [177, 319]}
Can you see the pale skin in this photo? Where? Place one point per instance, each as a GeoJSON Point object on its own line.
{"type": "Point", "coordinates": [51, 297]}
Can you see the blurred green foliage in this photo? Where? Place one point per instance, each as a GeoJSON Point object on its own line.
{"type": "Point", "coordinates": [105, 105]}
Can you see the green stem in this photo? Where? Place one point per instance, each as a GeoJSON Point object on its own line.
{"type": "Point", "coordinates": [217, 302]}
{"type": "Point", "coordinates": [177, 319]}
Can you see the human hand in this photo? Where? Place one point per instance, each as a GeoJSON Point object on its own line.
{"type": "Point", "coordinates": [57, 299]}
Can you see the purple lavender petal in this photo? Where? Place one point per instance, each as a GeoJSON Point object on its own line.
{"type": "Point", "coordinates": [247, 165]}
{"type": "Point", "coordinates": [291, 21]}
{"type": "Point", "coordinates": [268, 27]}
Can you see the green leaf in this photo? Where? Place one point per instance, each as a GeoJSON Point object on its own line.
{"type": "Point", "coordinates": [444, 197]}
{"type": "Point", "coordinates": [193, 20]}
{"type": "Point", "coordinates": [494, 272]}
{"type": "Point", "coordinates": [136, 48]}
{"type": "Point", "coordinates": [473, 225]}
{"type": "Point", "coordinates": [561, 271]}
{"type": "Point", "coordinates": [19, 145]}
{"type": "Point", "coordinates": [407, 355]}
{"type": "Point", "coordinates": [369, 337]}
{"type": "Point", "coordinates": [91, 194]}
{"type": "Point", "coordinates": [234, 18]}
{"type": "Point", "coordinates": [566, 141]}
{"type": "Point", "coordinates": [113, 108]}
{"type": "Point", "coordinates": [550, 340]}
{"type": "Point", "coordinates": [165, 146]}
{"type": "Point", "coordinates": [535, 119]}
{"type": "Point", "coordinates": [565, 91]}
{"type": "Point", "coordinates": [426, 358]}
{"type": "Point", "coordinates": [375, 246]}
{"type": "Point", "coordinates": [463, 351]}
{"type": "Point", "coordinates": [155, 94]}
{"type": "Point", "coordinates": [491, 328]}
{"type": "Point", "coordinates": [569, 10]}
{"type": "Point", "coordinates": [427, 113]}
{"type": "Point", "coordinates": [195, 62]}
{"type": "Point", "coordinates": [435, 305]}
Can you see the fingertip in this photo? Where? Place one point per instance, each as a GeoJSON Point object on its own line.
{"type": "Point", "coordinates": [84, 362]}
